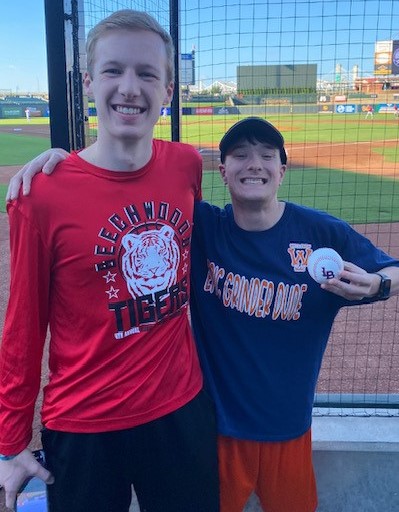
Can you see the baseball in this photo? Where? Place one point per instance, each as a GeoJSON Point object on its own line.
{"type": "Point", "coordinates": [324, 264]}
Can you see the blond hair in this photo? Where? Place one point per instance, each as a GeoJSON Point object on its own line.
{"type": "Point", "coordinates": [128, 19]}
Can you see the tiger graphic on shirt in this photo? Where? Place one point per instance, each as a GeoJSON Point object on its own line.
{"type": "Point", "coordinates": [150, 261]}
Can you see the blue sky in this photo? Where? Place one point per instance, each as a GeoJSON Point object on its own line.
{"type": "Point", "coordinates": [327, 32]}
{"type": "Point", "coordinates": [23, 65]}
{"type": "Point", "coordinates": [225, 33]}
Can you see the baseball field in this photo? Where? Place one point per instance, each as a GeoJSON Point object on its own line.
{"type": "Point", "coordinates": [346, 165]}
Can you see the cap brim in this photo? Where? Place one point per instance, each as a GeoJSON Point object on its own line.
{"type": "Point", "coordinates": [254, 127]}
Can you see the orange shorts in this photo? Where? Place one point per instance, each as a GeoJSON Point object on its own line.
{"type": "Point", "coordinates": [280, 473]}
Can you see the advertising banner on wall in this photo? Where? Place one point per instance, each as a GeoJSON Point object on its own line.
{"type": "Point", "coordinates": [187, 69]}
{"type": "Point", "coordinates": [326, 109]}
{"type": "Point", "coordinates": [345, 109]}
{"type": "Point", "coordinates": [225, 110]}
{"type": "Point", "coordinates": [203, 111]}
{"type": "Point", "coordinates": [383, 58]}
{"type": "Point", "coordinates": [395, 58]}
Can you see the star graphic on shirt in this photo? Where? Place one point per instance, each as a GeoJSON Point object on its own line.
{"type": "Point", "coordinates": [185, 254]}
{"type": "Point", "coordinates": [109, 277]}
{"type": "Point", "coordinates": [184, 268]}
{"type": "Point", "coordinates": [112, 292]}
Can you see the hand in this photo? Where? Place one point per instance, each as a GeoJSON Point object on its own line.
{"type": "Point", "coordinates": [354, 283]}
{"type": "Point", "coordinates": [14, 472]}
{"type": "Point", "coordinates": [45, 162]}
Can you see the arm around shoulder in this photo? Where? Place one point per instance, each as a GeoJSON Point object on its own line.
{"type": "Point", "coordinates": [44, 162]}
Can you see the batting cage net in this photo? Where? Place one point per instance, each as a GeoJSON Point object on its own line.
{"type": "Point", "coordinates": [326, 73]}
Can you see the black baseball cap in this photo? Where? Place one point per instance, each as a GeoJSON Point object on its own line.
{"type": "Point", "coordinates": [252, 127]}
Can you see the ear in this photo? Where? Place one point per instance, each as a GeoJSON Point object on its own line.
{"type": "Point", "coordinates": [283, 168]}
{"type": "Point", "coordinates": [222, 170]}
{"type": "Point", "coordinates": [87, 81]}
{"type": "Point", "coordinates": [169, 93]}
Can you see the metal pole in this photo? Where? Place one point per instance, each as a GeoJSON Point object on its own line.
{"type": "Point", "coordinates": [78, 135]}
{"type": "Point", "coordinates": [174, 32]}
{"type": "Point", "coordinates": [57, 77]}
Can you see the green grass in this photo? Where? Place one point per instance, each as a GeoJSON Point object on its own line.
{"type": "Point", "coordinates": [296, 128]}
{"type": "Point", "coordinates": [314, 128]}
{"type": "Point", "coordinates": [23, 121]}
{"type": "Point", "coordinates": [390, 154]}
{"type": "Point", "coordinates": [17, 149]}
{"type": "Point", "coordinates": [356, 198]}
{"type": "Point", "coordinates": [3, 190]}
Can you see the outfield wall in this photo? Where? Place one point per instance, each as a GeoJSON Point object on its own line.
{"type": "Point", "coordinates": [259, 110]}
{"type": "Point", "coordinates": [14, 107]}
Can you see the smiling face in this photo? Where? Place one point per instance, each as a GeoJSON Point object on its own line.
{"type": "Point", "coordinates": [129, 84]}
{"type": "Point", "coordinates": [253, 172]}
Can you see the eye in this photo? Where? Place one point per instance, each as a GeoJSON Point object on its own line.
{"type": "Point", "coordinates": [112, 71]}
{"type": "Point", "coordinates": [148, 75]}
{"type": "Point", "coordinates": [239, 154]}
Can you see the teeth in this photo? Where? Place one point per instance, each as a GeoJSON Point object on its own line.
{"type": "Point", "coordinates": [253, 181]}
{"type": "Point", "coordinates": [127, 110]}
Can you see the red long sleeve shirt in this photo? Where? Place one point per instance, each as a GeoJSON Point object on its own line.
{"type": "Point", "coordinates": [102, 259]}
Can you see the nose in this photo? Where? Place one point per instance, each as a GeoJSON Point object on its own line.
{"type": "Point", "coordinates": [255, 163]}
{"type": "Point", "coordinates": [129, 84]}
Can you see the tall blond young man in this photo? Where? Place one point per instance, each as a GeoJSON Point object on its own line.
{"type": "Point", "coordinates": [100, 255]}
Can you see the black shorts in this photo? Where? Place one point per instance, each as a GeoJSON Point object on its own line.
{"type": "Point", "coordinates": [171, 463]}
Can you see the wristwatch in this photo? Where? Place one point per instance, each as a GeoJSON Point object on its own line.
{"type": "Point", "coordinates": [385, 287]}
{"type": "Point", "coordinates": [7, 457]}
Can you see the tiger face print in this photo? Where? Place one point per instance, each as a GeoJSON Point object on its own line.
{"type": "Point", "coordinates": [150, 261]}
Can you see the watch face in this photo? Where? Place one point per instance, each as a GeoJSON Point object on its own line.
{"type": "Point", "coordinates": [385, 286]}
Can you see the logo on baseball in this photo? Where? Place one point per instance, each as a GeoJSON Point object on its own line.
{"type": "Point", "coordinates": [324, 264]}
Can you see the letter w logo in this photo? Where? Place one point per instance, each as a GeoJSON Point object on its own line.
{"type": "Point", "coordinates": [299, 254]}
